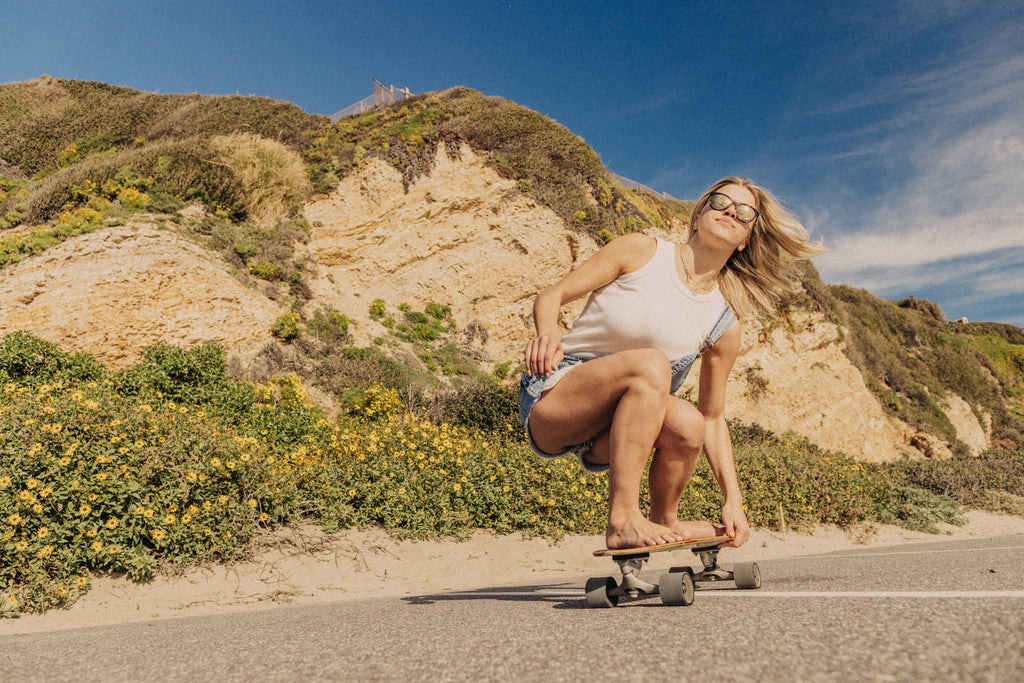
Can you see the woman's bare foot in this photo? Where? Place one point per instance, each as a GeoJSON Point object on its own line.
{"type": "Point", "coordinates": [688, 530]}
{"type": "Point", "coordinates": [636, 531]}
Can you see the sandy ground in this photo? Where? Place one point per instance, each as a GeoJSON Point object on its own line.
{"type": "Point", "coordinates": [302, 566]}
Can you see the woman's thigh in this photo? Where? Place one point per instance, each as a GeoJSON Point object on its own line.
{"type": "Point", "coordinates": [584, 401]}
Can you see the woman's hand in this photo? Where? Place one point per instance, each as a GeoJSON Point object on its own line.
{"type": "Point", "coordinates": [543, 354]}
{"type": "Point", "coordinates": [735, 522]}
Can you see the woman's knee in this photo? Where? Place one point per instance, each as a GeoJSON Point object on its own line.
{"type": "Point", "coordinates": [650, 369]}
{"type": "Point", "coordinates": [683, 429]}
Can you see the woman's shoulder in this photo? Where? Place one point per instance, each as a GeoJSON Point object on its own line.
{"type": "Point", "coordinates": [633, 250]}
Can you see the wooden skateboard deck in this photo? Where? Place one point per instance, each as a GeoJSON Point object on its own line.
{"type": "Point", "coordinates": [690, 544]}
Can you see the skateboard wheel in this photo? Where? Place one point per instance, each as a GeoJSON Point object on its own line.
{"type": "Point", "coordinates": [747, 575]}
{"type": "Point", "coordinates": [676, 587]}
{"type": "Point", "coordinates": [599, 592]}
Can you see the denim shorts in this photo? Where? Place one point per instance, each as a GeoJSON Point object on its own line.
{"type": "Point", "coordinates": [531, 388]}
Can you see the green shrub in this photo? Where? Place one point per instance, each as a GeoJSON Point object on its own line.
{"type": "Point", "coordinates": [479, 403]}
{"type": "Point", "coordinates": [377, 309]}
{"type": "Point", "coordinates": [26, 358]}
{"type": "Point", "coordinates": [373, 402]}
{"type": "Point", "coordinates": [329, 326]}
{"type": "Point", "coordinates": [286, 326]}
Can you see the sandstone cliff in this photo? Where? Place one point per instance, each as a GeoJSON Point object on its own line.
{"type": "Point", "coordinates": [461, 236]}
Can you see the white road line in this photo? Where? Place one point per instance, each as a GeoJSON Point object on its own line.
{"type": "Point", "coordinates": [910, 552]}
{"type": "Point", "coordinates": [866, 594]}
{"type": "Point", "coordinates": [766, 594]}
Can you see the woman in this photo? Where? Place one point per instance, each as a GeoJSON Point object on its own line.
{"type": "Point", "coordinates": [604, 392]}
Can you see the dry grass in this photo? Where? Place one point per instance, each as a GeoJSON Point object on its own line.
{"type": "Point", "coordinates": [272, 177]}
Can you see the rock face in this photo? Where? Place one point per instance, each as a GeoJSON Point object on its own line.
{"type": "Point", "coordinates": [461, 237]}
{"type": "Point", "coordinates": [116, 290]}
{"type": "Point", "coordinates": [797, 379]}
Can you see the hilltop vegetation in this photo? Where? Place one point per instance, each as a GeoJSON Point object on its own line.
{"type": "Point", "coordinates": [58, 136]}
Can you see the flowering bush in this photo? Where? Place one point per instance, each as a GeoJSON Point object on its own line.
{"type": "Point", "coordinates": [173, 461]}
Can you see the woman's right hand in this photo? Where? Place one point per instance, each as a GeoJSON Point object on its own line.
{"type": "Point", "coordinates": [543, 354]}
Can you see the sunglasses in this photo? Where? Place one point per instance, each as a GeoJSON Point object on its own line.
{"type": "Point", "coordinates": [720, 202]}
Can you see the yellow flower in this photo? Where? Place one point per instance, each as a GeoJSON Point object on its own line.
{"type": "Point", "coordinates": [112, 523]}
{"type": "Point", "coordinates": [81, 581]}
{"type": "Point", "coordinates": [32, 483]}
{"type": "Point", "coordinates": [84, 510]}
{"type": "Point", "coordinates": [21, 545]}
{"type": "Point", "coordinates": [169, 520]}
{"type": "Point", "coordinates": [457, 487]}
{"type": "Point", "coordinates": [96, 546]}
{"type": "Point", "coordinates": [147, 512]}
{"type": "Point", "coordinates": [91, 533]}
{"type": "Point", "coordinates": [159, 535]}
{"type": "Point", "coordinates": [45, 551]}
{"type": "Point", "coordinates": [5, 482]}
{"type": "Point", "coordinates": [215, 462]}
{"type": "Point", "coordinates": [15, 520]}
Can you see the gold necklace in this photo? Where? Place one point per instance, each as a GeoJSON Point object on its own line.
{"type": "Point", "coordinates": [697, 288]}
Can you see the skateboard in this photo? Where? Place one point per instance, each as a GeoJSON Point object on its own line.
{"type": "Point", "coordinates": [676, 586]}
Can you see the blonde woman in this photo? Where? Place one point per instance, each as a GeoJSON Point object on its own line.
{"type": "Point", "coordinates": [604, 392]}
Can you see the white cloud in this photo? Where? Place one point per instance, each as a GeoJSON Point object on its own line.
{"type": "Point", "coordinates": [947, 146]}
{"type": "Point", "coordinates": [964, 198]}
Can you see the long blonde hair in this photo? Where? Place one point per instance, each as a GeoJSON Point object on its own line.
{"type": "Point", "coordinates": [754, 278]}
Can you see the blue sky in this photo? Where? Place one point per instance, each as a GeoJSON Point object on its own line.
{"type": "Point", "coordinates": [894, 130]}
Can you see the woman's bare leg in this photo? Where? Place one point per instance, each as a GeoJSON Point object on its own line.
{"type": "Point", "coordinates": [626, 396]}
{"type": "Point", "coordinates": [678, 447]}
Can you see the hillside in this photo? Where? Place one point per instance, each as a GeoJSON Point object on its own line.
{"type": "Point", "coordinates": [405, 247]}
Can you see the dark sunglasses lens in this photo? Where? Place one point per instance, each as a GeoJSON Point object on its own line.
{"type": "Point", "coordinates": [745, 213]}
{"type": "Point", "coordinates": [718, 201]}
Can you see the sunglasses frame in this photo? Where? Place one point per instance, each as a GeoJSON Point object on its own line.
{"type": "Point", "coordinates": [733, 202]}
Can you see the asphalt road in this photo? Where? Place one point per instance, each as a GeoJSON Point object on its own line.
{"type": "Point", "coordinates": [942, 612]}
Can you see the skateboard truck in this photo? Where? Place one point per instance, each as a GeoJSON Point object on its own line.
{"type": "Point", "coordinates": [711, 571]}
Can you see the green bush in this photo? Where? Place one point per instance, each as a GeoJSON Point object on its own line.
{"type": "Point", "coordinates": [26, 358]}
{"type": "Point", "coordinates": [286, 326]}
{"type": "Point", "coordinates": [328, 326]}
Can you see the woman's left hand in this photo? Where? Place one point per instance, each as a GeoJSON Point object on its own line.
{"type": "Point", "coordinates": [736, 526]}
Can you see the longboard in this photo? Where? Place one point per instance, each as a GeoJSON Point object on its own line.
{"type": "Point", "coordinates": [676, 586]}
{"type": "Point", "coordinates": [693, 543]}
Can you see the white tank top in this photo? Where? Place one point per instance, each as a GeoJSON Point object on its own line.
{"type": "Point", "coordinates": [649, 308]}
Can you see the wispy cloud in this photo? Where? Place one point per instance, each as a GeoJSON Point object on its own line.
{"type": "Point", "coordinates": [949, 143]}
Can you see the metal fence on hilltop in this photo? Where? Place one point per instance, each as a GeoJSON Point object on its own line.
{"type": "Point", "coordinates": [382, 96]}
{"type": "Point", "coordinates": [638, 186]}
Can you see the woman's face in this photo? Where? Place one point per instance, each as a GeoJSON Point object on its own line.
{"type": "Point", "coordinates": [724, 224]}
